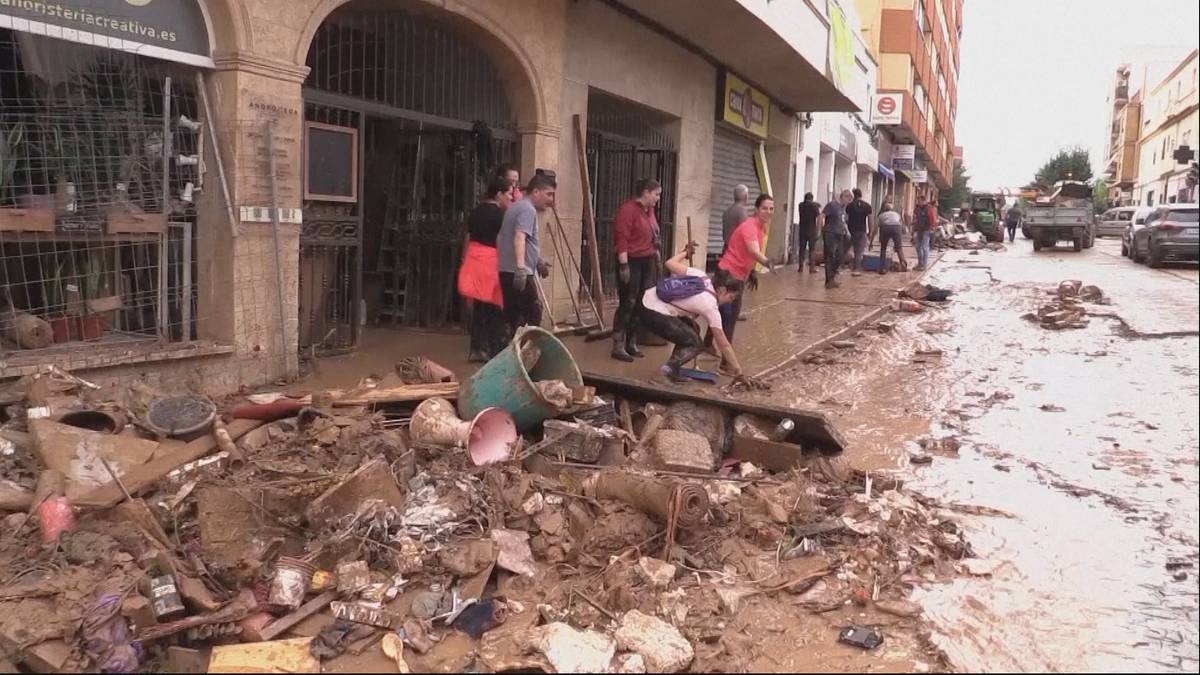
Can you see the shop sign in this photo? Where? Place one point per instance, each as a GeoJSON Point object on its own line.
{"type": "Point", "coordinates": [887, 109]}
{"type": "Point", "coordinates": [841, 48]}
{"type": "Point", "coordinates": [175, 30]}
{"type": "Point", "coordinates": [904, 157]}
{"type": "Point", "coordinates": [744, 106]}
{"type": "Point", "coordinates": [847, 144]}
{"type": "Point", "coordinates": [917, 175]}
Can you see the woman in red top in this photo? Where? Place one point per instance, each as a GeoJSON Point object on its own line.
{"type": "Point", "coordinates": [743, 252]}
{"type": "Point", "coordinates": [635, 238]}
{"type": "Point", "coordinates": [479, 276]}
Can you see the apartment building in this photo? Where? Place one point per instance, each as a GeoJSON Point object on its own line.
{"type": "Point", "coordinates": [1124, 131]}
{"type": "Point", "coordinates": [1170, 121]}
{"type": "Point", "coordinates": [916, 44]}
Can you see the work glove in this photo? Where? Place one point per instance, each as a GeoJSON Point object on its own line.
{"type": "Point", "coordinates": [624, 273]}
{"type": "Point", "coordinates": [543, 268]}
{"type": "Point", "coordinates": [519, 278]}
{"type": "Point", "coordinates": [752, 281]}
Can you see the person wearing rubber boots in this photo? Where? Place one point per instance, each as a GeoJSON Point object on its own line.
{"type": "Point", "coordinates": [635, 238]}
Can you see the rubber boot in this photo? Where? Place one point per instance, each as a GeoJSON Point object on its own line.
{"type": "Point", "coordinates": [618, 348]}
{"type": "Point", "coordinates": [631, 347]}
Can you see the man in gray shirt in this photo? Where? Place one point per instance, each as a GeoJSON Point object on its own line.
{"type": "Point", "coordinates": [735, 214]}
{"type": "Point", "coordinates": [519, 250]}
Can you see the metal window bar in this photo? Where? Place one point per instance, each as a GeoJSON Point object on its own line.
{"type": "Point", "coordinates": [98, 178]}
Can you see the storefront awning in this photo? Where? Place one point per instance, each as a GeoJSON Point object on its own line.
{"type": "Point", "coordinates": [886, 171]}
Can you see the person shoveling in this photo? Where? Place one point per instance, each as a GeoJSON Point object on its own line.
{"type": "Point", "coordinates": [673, 308]}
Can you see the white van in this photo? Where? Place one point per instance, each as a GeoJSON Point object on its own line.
{"type": "Point", "coordinates": [1112, 223]}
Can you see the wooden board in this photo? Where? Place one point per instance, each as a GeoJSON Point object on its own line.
{"type": "Point", "coordinates": [813, 429]}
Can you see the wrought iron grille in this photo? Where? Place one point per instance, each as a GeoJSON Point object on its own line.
{"type": "Point", "coordinates": [624, 146]}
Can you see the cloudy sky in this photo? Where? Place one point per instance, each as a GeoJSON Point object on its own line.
{"type": "Point", "coordinates": [1035, 75]}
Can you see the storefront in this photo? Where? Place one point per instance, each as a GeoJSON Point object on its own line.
{"type": "Point", "coordinates": [103, 134]}
{"type": "Point", "coordinates": [742, 126]}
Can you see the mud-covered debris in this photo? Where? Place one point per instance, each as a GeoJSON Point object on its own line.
{"type": "Point", "coordinates": [513, 552]}
{"type": "Point", "coordinates": [677, 450]}
{"type": "Point", "coordinates": [629, 663]}
{"type": "Point", "coordinates": [569, 650]}
{"type": "Point", "coordinates": [660, 644]}
{"type": "Point", "coordinates": [1051, 407]}
{"type": "Point", "coordinates": [656, 572]}
{"type": "Point", "coordinates": [280, 656]}
{"type": "Point", "coordinates": [902, 608]}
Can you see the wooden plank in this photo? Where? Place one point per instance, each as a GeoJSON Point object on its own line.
{"type": "Point", "coordinates": [813, 429]}
{"type": "Point", "coordinates": [277, 627]}
{"type": "Point", "coordinates": [139, 478]}
{"type": "Point", "coordinates": [589, 218]}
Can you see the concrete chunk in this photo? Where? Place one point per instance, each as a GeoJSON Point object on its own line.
{"type": "Point", "coordinates": [676, 450]}
{"type": "Point", "coordinates": [661, 645]}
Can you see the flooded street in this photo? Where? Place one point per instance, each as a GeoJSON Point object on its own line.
{"type": "Point", "coordinates": [1088, 438]}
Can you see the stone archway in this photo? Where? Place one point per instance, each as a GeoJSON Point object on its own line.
{"type": "Point", "coordinates": [228, 25]}
{"type": "Point", "coordinates": [482, 22]}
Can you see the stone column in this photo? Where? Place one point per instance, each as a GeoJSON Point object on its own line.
{"type": "Point", "coordinates": [242, 275]}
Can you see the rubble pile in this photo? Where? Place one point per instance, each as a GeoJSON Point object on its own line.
{"type": "Point", "coordinates": [1066, 310]}
{"type": "Point", "coordinates": [967, 241]}
{"type": "Point", "coordinates": [297, 534]}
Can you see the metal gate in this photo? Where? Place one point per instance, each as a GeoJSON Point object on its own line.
{"type": "Point", "coordinates": [615, 164]}
{"type": "Point", "coordinates": [330, 293]}
{"type": "Point", "coordinates": [433, 119]}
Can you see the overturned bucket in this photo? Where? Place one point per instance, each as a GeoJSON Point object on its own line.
{"type": "Point", "coordinates": [507, 381]}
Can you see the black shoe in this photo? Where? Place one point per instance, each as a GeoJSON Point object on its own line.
{"type": "Point", "coordinates": [676, 376]}
{"type": "Point", "coordinates": [477, 357]}
{"type": "Point", "coordinates": [632, 350]}
{"type": "Point", "coordinates": [619, 353]}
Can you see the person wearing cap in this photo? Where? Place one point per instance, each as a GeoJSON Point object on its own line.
{"type": "Point", "coordinates": [519, 250]}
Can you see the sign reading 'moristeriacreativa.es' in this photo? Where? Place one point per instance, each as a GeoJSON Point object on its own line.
{"type": "Point", "coordinates": [175, 30]}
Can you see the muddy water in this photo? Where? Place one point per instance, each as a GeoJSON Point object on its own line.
{"type": "Point", "coordinates": [1088, 437]}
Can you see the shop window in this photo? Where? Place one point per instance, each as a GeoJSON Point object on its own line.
{"type": "Point", "coordinates": [100, 166]}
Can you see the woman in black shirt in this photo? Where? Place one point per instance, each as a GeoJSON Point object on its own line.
{"type": "Point", "coordinates": [479, 276]}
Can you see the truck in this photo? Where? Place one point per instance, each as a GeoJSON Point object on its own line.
{"type": "Point", "coordinates": [1064, 215]}
{"type": "Point", "coordinates": [984, 215]}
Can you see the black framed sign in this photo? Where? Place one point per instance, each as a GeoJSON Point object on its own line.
{"type": "Point", "coordinates": [330, 163]}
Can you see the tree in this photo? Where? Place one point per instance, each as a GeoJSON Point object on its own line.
{"type": "Point", "coordinates": [1100, 196]}
{"type": "Point", "coordinates": [959, 192]}
{"type": "Point", "coordinates": [1069, 164]}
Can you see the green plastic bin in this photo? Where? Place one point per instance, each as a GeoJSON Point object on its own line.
{"type": "Point", "coordinates": [505, 383]}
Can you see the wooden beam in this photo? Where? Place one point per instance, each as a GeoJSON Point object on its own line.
{"type": "Point", "coordinates": [589, 218]}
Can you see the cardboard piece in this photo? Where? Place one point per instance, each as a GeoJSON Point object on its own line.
{"type": "Point", "coordinates": [75, 453]}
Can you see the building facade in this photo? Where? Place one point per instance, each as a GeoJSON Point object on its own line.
{"type": "Point", "coordinates": [1170, 121]}
{"type": "Point", "coordinates": [916, 44]}
{"type": "Point", "coordinates": [207, 189]}
{"type": "Point", "coordinates": [1124, 130]}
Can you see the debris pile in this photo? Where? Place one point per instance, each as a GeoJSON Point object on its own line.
{"type": "Point", "coordinates": [301, 533]}
{"type": "Point", "coordinates": [1066, 310]}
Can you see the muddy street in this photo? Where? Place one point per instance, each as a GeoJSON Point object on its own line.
{"type": "Point", "coordinates": [1086, 437]}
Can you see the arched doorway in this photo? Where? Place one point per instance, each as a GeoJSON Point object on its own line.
{"type": "Point", "coordinates": [424, 113]}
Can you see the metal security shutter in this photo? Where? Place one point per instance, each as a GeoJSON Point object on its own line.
{"type": "Point", "coordinates": [733, 163]}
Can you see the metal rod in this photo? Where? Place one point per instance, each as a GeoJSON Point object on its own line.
{"type": "Point", "coordinates": [591, 298]}
{"type": "Point", "coordinates": [212, 133]}
{"type": "Point", "coordinates": [287, 361]}
{"type": "Point", "coordinates": [558, 255]}
{"type": "Point", "coordinates": [186, 283]}
{"type": "Point", "coordinates": [164, 311]}
{"type": "Point", "coordinates": [115, 477]}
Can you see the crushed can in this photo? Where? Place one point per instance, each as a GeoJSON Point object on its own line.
{"type": "Point", "coordinates": [165, 598]}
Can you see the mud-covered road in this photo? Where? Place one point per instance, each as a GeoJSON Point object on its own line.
{"type": "Point", "coordinates": [1087, 437]}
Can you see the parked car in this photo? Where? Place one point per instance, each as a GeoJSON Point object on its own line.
{"type": "Point", "coordinates": [1112, 222]}
{"type": "Point", "coordinates": [1137, 222]}
{"type": "Point", "coordinates": [1172, 232]}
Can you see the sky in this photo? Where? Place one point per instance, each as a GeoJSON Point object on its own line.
{"type": "Point", "coordinates": [1035, 75]}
